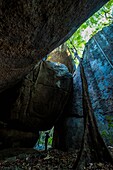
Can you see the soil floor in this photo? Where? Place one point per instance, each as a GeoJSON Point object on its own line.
{"type": "Point", "coordinates": [30, 159]}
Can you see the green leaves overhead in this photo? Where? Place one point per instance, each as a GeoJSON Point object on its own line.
{"type": "Point", "coordinates": [100, 19]}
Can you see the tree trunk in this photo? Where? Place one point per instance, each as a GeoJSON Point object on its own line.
{"type": "Point", "coordinates": [93, 148]}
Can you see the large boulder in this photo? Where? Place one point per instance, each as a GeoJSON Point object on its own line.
{"type": "Point", "coordinates": [42, 96]}
{"type": "Point", "coordinates": [29, 30]}
{"type": "Point", "coordinates": [62, 55]}
{"type": "Point", "coordinates": [35, 104]}
{"type": "Point", "coordinates": [98, 66]}
{"type": "Point", "coordinates": [69, 129]}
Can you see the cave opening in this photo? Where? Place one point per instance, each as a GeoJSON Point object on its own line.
{"type": "Point", "coordinates": [45, 140]}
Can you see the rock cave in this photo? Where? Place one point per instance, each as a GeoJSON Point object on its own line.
{"type": "Point", "coordinates": [45, 84]}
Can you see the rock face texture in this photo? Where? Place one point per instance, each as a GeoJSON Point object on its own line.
{"type": "Point", "coordinates": [69, 129]}
{"type": "Point", "coordinates": [98, 65]}
{"type": "Point", "coordinates": [37, 103]}
{"type": "Point", "coordinates": [42, 96]}
{"type": "Point", "coordinates": [29, 30]}
{"type": "Point", "coordinates": [11, 138]}
{"type": "Point", "coordinates": [62, 55]}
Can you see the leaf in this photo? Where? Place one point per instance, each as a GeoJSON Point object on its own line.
{"type": "Point", "coordinates": [48, 157]}
{"type": "Point", "coordinates": [94, 24]}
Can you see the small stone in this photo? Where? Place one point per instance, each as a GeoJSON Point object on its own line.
{"type": "Point", "coordinates": [27, 158]}
{"type": "Point", "coordinates": [99, 164]}
{"type": "Point", "coordinates": [90, 164]}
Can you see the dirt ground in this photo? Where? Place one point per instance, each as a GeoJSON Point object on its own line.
{"type": "Point", "coordinates": [30, 159]}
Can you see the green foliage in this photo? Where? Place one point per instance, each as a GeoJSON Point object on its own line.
{"type": "Point", "coordinates": [50, 140]}
{"type": "Point", "coordinates": [41, 139]}
{"type": "Point", "coordinates": [110, 121]}
{"type": "Point", "coordinates": [108, 136]}
{"type": "Point", "coordinates": [101, 19]}
{"type": "Point", "coordinates": [108, 133]}
{"type": "Point", "coordinates": [95, 23]}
